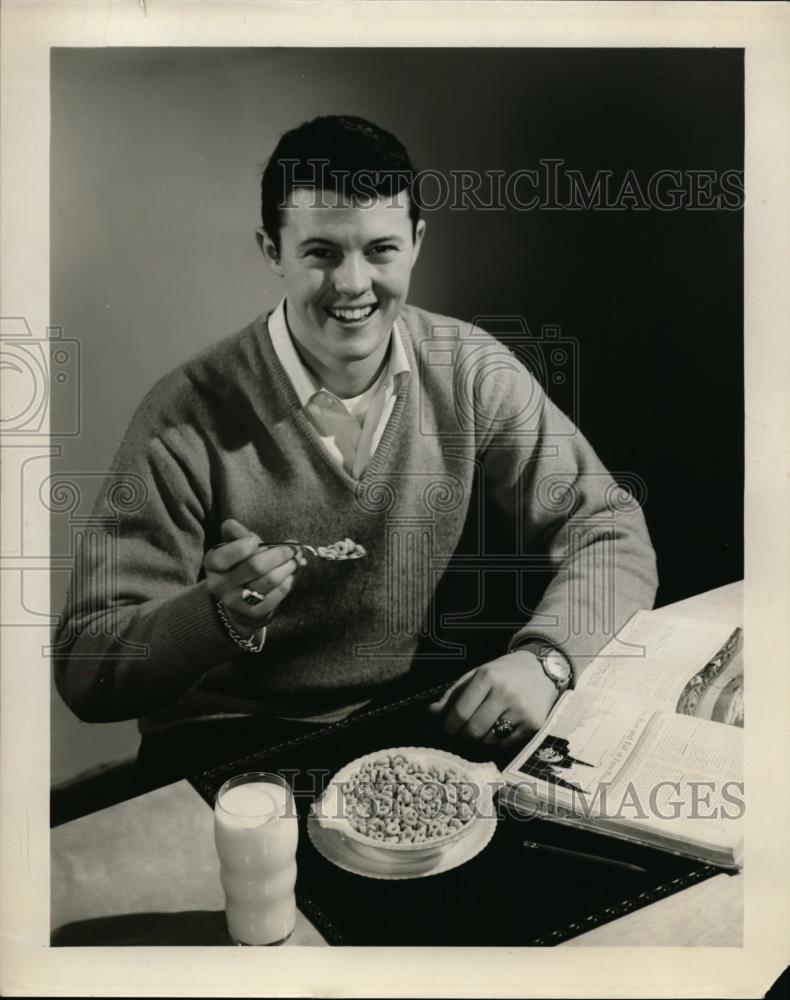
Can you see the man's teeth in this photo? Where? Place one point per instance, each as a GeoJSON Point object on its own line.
{"type": "Point", "coordinates": [351, 315]}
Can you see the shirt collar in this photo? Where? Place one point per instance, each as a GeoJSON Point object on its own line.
{"type": "Point", "coordinates": [305, 386]}
{"type": "Point", "coordinates": [303, 382]}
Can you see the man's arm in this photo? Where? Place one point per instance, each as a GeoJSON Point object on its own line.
{"type": "Point", "coordinates": [543, 480]}
{"type": "Point", "coordinates": [567, 512]}
{"type": "Point", "coordinates": [139, 625]}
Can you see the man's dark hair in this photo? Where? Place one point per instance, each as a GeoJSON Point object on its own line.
{"type": "Point", "coordinates": [339, 153]}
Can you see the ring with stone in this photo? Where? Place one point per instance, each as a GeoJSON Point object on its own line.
{"type": "Point", "coordinates": [502, 728]}
{"type": "Point", "coordinates": [251, 597]}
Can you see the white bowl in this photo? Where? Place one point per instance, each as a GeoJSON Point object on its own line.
{"type": "Point", "coordinates": [330, 808]}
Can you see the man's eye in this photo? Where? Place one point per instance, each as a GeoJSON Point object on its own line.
{"type": "Point", "coordinates": [322, 253]}
{"type": "Point", "coordinates": [382, 249]}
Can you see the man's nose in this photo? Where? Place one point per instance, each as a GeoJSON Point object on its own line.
{"type": "Point", "coordinates": [352, 276]}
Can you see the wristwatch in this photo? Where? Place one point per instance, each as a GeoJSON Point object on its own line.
{"type": "Point", "coordinates": [554, 664]}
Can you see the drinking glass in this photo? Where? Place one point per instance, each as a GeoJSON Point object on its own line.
{"type": "Point", "coordinates": [256, 832]}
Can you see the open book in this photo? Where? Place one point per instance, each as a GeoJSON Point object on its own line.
{"type": "Point", "coordinates": [649, 745]}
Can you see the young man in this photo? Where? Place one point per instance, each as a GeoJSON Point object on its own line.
{"type": "Point", "coordinates": [344, 413]}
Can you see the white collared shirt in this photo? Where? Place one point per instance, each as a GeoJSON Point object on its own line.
{"type": "Point", "coordinates": [350, 429]}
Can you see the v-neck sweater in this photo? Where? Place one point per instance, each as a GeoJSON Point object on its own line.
{"type": "Point", "coordinates": [350, 428]}
{"type": "Point", "coordinates": [471, 436]}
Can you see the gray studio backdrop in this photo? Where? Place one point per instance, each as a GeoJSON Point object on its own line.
{"type": "Point", "coordinates": [156, 156]}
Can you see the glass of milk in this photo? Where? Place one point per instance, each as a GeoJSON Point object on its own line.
{"type": "Point", "coordinates": [255, 830]}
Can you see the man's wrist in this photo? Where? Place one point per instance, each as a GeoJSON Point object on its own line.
{"type": "Point", "coordinates": [250, 640]}
{"type": "Point", "coordinates": [246, 631]}
{"type": "Point", "coordinates": [543, 693]}
{"type": "Point", "coordinates": [554, 663]}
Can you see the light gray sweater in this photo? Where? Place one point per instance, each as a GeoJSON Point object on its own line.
{"type": "Point", "coordinates": [224, 436]}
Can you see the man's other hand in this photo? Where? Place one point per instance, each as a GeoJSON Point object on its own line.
{"type": "Point", "coordinates": [241, 563]}
{"type": "Point", "coordinates": [513, 687]}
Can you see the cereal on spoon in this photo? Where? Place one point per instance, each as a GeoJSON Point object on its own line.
{"type": "Point", "coordinates": [345, 549]}
{"type": "Point", "coordinates": [337, 551]}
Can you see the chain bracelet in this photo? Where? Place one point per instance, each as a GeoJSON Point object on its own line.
{"type": "Point", "coordinates": [250, 644]}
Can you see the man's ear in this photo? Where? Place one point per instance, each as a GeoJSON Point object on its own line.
{"type": "Point", "coordinates": [269, 250]}
{"type": "Point", "coordinates": [419, 233]}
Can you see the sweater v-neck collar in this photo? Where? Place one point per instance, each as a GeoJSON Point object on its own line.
{"type": "Point", "coordinates": [280, 377]}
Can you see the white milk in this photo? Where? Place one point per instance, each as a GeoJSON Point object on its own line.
{"type": "Point", "coordinates": [256, 831]}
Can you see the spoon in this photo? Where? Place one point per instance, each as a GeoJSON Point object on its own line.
{"type": "Point", "coordinates": [338, 551]}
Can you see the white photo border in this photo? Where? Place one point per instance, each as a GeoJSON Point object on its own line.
{"type": "Point", "coordinates": [28, 965]}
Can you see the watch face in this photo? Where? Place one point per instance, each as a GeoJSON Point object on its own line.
{"type": "Point", "coordinates": [557, 667]}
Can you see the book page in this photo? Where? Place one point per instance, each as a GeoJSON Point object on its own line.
{"type": "Point", "coordinates": [587, 739]}
{"type": "Point", "coordinates": [625, 763]}
{"type": "Point", "coordinates": [678, 664]}
{"type": "Point", "coordinates": [683, 780]}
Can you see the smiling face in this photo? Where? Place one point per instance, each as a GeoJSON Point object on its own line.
{"type": "Point", "coordinates": [346, 267]}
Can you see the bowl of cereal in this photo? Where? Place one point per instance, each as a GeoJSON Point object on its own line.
{"type": "Point", "coordinates": [408, 804]}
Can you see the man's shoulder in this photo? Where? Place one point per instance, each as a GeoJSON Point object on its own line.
{"type": "Point", "coordinates": [455, 349]}
{"type": "Point", "coordinates": [470, 376]}
{"type": "Point", "coordinates": [227, 353]}
{"type": "Point", "coordinates": [421, 325]}
{"type": "Point", "coordinates": [209, 381]}
{"type": "Point", "coordinates": [216, 367]}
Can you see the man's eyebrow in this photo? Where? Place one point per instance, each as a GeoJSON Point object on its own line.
{"type": "Point", "coordinates": [316, 239]}
{"type": "Point", "coordinates": [330, 243]}
{"type": "Point", "coordinates": [385, 239]}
